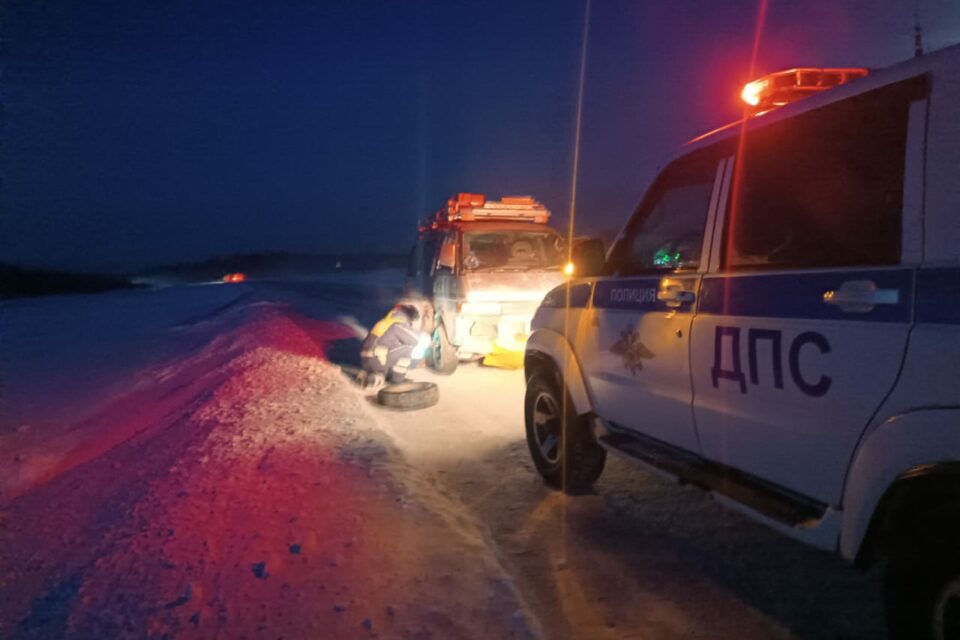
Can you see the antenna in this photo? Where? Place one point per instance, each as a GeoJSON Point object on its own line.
{"type": "Point", "coordinates": [917, 33]}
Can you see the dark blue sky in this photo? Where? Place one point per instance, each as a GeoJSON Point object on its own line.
{"type": "Point", "coordinates": [137, 133]}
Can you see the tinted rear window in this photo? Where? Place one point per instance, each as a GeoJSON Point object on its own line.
{"type": "Point", "coordinates": [824, 189]}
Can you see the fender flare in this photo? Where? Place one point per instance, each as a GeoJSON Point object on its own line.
{"type": "Point", "coordinates": [903, 445]}
{"type": "Point", "coordinates": [544, 343]}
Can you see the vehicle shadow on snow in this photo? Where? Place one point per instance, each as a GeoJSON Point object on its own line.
{"type": "Point", "coordinates": [354, 305]}
{"type": "Point", "coordinates": [344, 352]}
{"type": "Point", "coordinates": [812, 593]}
{"type": "Point", "coordinates": [640, 541]}
{"type": "Point", "coordinates": [341, 348]}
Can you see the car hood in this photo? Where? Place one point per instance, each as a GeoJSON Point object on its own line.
{"type": "Point", "coordinates": [509, 286]}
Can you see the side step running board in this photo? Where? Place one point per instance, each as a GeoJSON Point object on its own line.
{"type": "Point", "coordinates": [773, 501]}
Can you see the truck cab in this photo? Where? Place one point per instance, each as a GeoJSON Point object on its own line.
{"type": "Point", "coordinates": [486, 265]}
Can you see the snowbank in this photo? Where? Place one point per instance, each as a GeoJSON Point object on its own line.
{"type": "Point", "coordinates": [239, 488]}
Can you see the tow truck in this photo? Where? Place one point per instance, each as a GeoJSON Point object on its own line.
{"type": "Point", "coordinates": [486, 265]}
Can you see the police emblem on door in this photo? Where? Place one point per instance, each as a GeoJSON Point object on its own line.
{"type": "Point", "coordinates": [631, 350]}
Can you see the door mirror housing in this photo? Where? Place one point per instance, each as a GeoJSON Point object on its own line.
{"type": "Point", "coordinates": [588, 257]}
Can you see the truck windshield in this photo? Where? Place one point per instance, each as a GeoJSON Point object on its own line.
{"type": "Point", "coordinates": [513, 250]}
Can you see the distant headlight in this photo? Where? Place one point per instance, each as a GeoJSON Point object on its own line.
{"type": "Point", "coordinates": [481, 308]}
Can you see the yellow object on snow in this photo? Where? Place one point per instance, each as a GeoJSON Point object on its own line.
{"type": "Point", "coordinates": [503, 357]}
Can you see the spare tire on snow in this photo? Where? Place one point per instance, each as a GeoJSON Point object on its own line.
{"type": "Point", "coordinates": [407, 396]}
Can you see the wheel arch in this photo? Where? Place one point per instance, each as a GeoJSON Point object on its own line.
{"type": "Point", "coordinates": [549, 350]}
{"type": "Point", "coordinates": [908, 501]}
{"type": "Point", "coordinates": [902, 469]}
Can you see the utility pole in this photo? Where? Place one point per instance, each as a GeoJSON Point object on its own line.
{"type": "Point", "coordinates": [917, 34]}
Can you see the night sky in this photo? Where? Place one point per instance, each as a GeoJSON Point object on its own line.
{"type": "Point", "coordinates": [138, 133]}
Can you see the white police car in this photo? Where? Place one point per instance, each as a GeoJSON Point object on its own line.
{"type": "Point", "coordinates": [779, 323]}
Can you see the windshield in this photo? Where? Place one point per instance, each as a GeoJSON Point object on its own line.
{"type": "Point", "coordinates": [513, 250]}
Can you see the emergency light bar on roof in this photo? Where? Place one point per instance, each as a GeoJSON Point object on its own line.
{"type": "Point", "coordinates": [783, 87]}
{"type": "Point", "coordinates": [474, 206]}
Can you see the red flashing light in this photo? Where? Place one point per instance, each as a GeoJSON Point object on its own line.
{"type": "Point", "coordinates": [784, 87]}
{"type": "Point", "coordinates": [752, 92]}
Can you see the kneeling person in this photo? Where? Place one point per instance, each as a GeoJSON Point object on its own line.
{"type": "Point", "coordinates": [394, 345]}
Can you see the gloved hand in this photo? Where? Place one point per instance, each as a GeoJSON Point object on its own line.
{"type": "Point", "coordinates": [420, 349]}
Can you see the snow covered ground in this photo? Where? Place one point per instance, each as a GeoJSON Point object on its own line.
{"type": "Point", "coordinates": [188, 462]}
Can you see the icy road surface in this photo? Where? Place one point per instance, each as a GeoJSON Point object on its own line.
{"type": "Point", "coordinates": [187, 463]}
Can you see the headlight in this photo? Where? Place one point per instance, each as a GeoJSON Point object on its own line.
{"type": "Point", "coordinates": [481, 308]}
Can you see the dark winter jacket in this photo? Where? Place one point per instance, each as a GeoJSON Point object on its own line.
{"type": "Point", "coordinates": [390, 341]}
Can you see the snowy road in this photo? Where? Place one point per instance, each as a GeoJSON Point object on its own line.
{"type": "Point", "coordinates": [187, 463]}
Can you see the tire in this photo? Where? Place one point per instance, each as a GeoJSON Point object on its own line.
{"type": "Point", "coordinates": [921, 587]}
{"type": "Point", "coordinates": [443, 355]}
{"type": "Point", "coordinates": [408, 396]}
{"type": "Point", "coordinates": [566, 456]}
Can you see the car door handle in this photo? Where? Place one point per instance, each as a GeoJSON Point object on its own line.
{"type": "Point", "coordinates": [860, 296]}
{"type": "Point", "coordinates": [675, 297]}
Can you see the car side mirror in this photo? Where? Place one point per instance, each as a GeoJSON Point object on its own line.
{"type": "Point", "coordinates": [448, 256]}
{"type": "Point", "coordinates": [588, 257]}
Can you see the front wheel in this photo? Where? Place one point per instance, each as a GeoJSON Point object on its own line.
{"type": "Point", "coordinates": [922, 582]}
{"type": "Point", "coordinates": [563, 450]}
{"type": "Point", "coordinates": [443, 355]}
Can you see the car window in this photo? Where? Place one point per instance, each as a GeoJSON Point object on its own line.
{"type": "Point", "coordinates": [424, 253]}
{"type": "Point", "coordinates": [666, 233]}
{"type": "Point", "coordinates": [415, 264]}
{"type": "Point", "coordinates": [431, 247]}
{"type": "Point", "coordinates": [823, 189]}
{"type": "Point", "coordinates": [412, 263]}
{"type": "Point", "coordinates": [512, 250]}
{"type": "Point", "coordinates": [446, 240]}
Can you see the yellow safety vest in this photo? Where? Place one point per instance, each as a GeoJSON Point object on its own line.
{"type": "Point", "coordinates": [381, 327]}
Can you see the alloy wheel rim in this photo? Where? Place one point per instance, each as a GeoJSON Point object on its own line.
{"type": "Point", "coordinates": [547, 427]}
{"type": "Point", "coordinates": [437, 347]}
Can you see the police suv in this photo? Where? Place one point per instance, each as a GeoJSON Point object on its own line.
{"type": "Point", "coordinates": [779, 323]}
